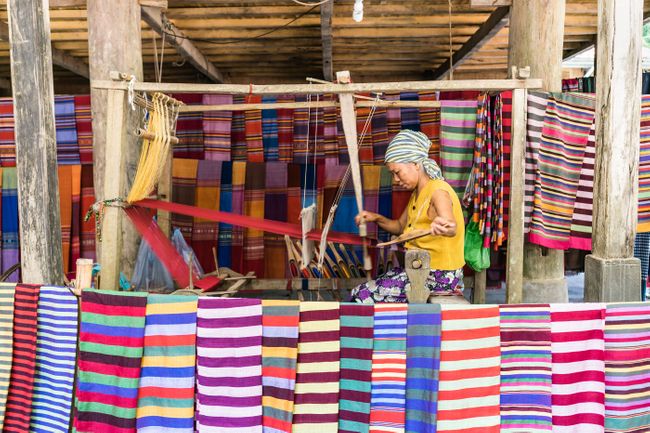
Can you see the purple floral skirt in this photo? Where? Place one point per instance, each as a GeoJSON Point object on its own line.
{"type": "Point", "coordinates": [392, 286]}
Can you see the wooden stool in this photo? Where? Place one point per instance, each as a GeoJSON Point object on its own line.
{"type": "Point", "coordinates": [418, 265]}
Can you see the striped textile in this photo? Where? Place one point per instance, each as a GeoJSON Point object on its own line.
{"type": "Point", "coordinates": [506, 125]}
{"type": "Point", "coordinates": [356, 367]}
{"type": "Point", "coordinates": [84, 124]}
{"type": "Point", "coordinates": [253, 127]}
{"type": "Point", "coordinates": [578, 393]}
{"type": "Point", "coordinates": [67, 147]}
{"type": "Point", "coordinates": [7, 292]}
{"type": "Point", "coordinates": [457, 132]}
{"type": "Point", "coordinates": [393, 117]}
{"type": "Point", "coordinates": [166, 388]}
{"type": "Point", "coordinates": [189, 128]}
{"type": "Point", "coordinates": [77, 218]}
{"type": "Point", "coordinates": [217, 128]}
{"type": "Point", "coordinates": [7, 135]}
{"type": "Point", "coordinates": [388, 397]}
{"type": "Point", "coordinates": [229, 366]}
{"type": "Point", "coordinates": [642, 252]}
{"type": "Point", "coordinates": [111, 341]}
{"type": "Point", "coordinates": [10, 241]}
{"type": "Point", "coordinates": [238, 207]}
{"type": "Point", "coordinates": [87, 200]}
{"type": "Point", "coordinates": [224, 244]}
{"type": "Point", "coordinates": [279, 356]}
{"type": "Point", "coordinates": [56, 353]}
{"type": "Point", "coordinates": [347, 210]}
{"type": "Point", "coordinates": [430, 123]}
{"type": "Point", "coordinates": [20, 394]}
{"type": "Point", "coordinates": [285, 130]}
{"type": "Point", "coordinates": [410, 116]}
{"type": "Point", "coordinates": [330, 131]}
{"type": "Point", "coordinates": [627, 368]}
{"type": "Point", "coordinates": [537, 102]}
{"type": "Point", "coordinates": [580, 237]}
{"type": "Point", "coordinates": [565, 133]}
{"type": "Point", "coordinates": [316, 401]}
{"type": "Point", "coordinates": [205, 233]}
{"type": "Point", "coordinates": [525, 368]}
{"type": "Point", "coordinates": [65, 203]}
{"type": "Point", "coordinates": [270, 130]}
{"type": "Point", "coordinates": [365, 148]}
{"type": "Point", "coordinates": [238, 147]}
{"type": "Point", "coordinates": [422, 367]}
{"type": "Point", "coordinates": [644, 168]}
{"type": "Point", "coordinates": [317, 150]}
{"type": "Point", "coordinates": [385, 198]}
{"type": "Point", "coordinates": [184, 174]}
{"type": "Point", "coordinates": [470, 358]}
{"type": "Point", "coordinates": [294, 193]}
{"type": "Point", "coordinates": [379, 130]}
{"type": "Point", "coordinates": [344, 157]}
{"type": "Point", "coordinates": [275, 209]}
{"type": "Point", "coordinates": [371, 184]}
{"type": "Point", "coordinates": [254, 206]}
{"type": "Point", "coordinates": [301, 132]}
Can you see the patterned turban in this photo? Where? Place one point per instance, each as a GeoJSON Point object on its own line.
{"type": "Point", "coordinates": [412, 146]}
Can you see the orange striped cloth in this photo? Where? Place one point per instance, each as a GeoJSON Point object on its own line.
{"type": "Point", "coordinates": [65, 202]}
{"type": "Point", "coordinates": [75, 243]}
{"type": "Point", "coordinates": [470, 369]}
{"type": "Point", "coordinates": [184, 174]}
{"type": "Point", "coordinates": [253, 127]}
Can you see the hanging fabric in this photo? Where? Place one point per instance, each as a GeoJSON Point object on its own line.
{"type": "Point", "coordinates": [217, 128]}
{"type": "Point", "coordinates": [7, 133]}
{"type": "Point", "coordinates": [275, 209]}
{"type": "Point", "coordinates": [7, 293]}
{"type": "Point", "coordinates": [238, 149]}
{"type": "Point", "coordinates": [205, 233]}
{"type": "Point", "coordinates": [254, 207]}
{"type": "Point", "coordinates": [457, 134]}
{"type": "Point", "coordinates": [536, 110]}
{"type": "Point", "coordinates": [67, 145]}
{"type": "Point", "coordinates": [84, 125]}
{"type": "Point", "coordinates": [189, 129]}
{"type": "Point", "coordinates": [253, 127]}
{"type": "Point", "coordinates": [644, 167]}
{"type": "Point", "coordinates": [270, 130]}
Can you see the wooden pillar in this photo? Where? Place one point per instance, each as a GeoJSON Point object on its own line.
{"type": "Point", "coordinates": [114, 44]}
{"type": "Point", "coordinates": [38, 184]}
{"type": "Point", "coordinates": [536, 39]}
{"type": "Point", "coordinates": [612, 272]}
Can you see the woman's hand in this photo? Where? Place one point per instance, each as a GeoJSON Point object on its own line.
{"type": "Point", "coordinates": [443, 227]}
{"type": "Point", "coordinates": [369, 217]}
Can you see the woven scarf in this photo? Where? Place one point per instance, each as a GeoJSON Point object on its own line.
{"type": "Point", "coordinates": [253, 127]}
{"type": "Point", "coordinates": [189, 129]}
{"type": "Point", "coordinates": [356, 367]}
{"type": "Point", "coordinates": [365, 148]}
{"type": "Point", "coordinates": [330, 131]}
{"type": "Point", "coordinates": [393, 117]}
{"type": "Point", "coordinates": [506, 120]}
{"type": "Point", "coordinates": [371, 185]}
{"type": "Point", "coordinates": [56, 355]}
{"type": "Point", "coordinates": [525, 368]}
{"type": "Point", "coordinates": [565, 133]}
{"type": "Point", "coordinates": [581, 222]}
{"type": "Point", "coordinates": [20, 395]}
{"type": "Point", "coordinates": [84, 123]}
{"type": "Point", "coordinates": [388, 398]}
{"type": "Point", "coordinates": [238, 132]}
{"type": "Point", "coordinates": [279, 356]}
{"type": "Point", "coordinates": [254, 206]}
{"type": "Point", "coordinates": [275, 208]}
{"type": "Point", "coordinates": [422, 367]}
{"type": "Point", "coordinates": [77, 218]}
{"type": "Point", "coordinates": [627, 367]}
{"type": "Point", "coordinates": [301, 132]}
{"type": "Point", "coordinates": [67, 147]}
{"type": "Point", "coordinates": [7, 134]}
{"type": "Point", "coordinates": [206, 233]}
{"type": "Point", "coordinates": [379, 130]}
{"type": "Point", "coordinates": [65, 203]}
{"type": "Point", "coordinates": [410, 116]}
{"type": "Point", "coordinates": [537, 102]}
{"type": "Point", "coordinates": [270, 130]}
{"type": "Point", "coordinates": [7, 292]}
{"type": "Point", "coordinates": [457, 132]}
{"type": "Point", "coordinates": [578, 352]}
{"type": "Point", "coordinates": [184, 174]}
{"type": "Point", "coordinates": [385, 198]}
{"type": "Point", "coordinates": [87, 200]}
{"type": "Point", "coordinates": [644, 168]}
{"type": "Point", "coordinates": [229, 365]}
{"type": "Point", "coordinates": [470, 358]}
{"type": "Point", "coordinates": [10, 241]}
{"type": "Point", "coordinates": [285, 130]}
{"type": "Point", "coordinates": [166, 388]}
{"type": "Point", "coordinates": [217, 128]}
{"type": "Point", "coordinates": [316, 399]}
{"type": "Point", "coordinates": [238, 206]}
{"type": "Point", "coordinates": [224, 245]}
{"type": "Point", "coordinates": [111, 343]}
{"type": "Point", "coordinates": [430, 123]}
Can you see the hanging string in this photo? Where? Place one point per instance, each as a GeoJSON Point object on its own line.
{"type": "Point", "coordinates": [156, 69]}
{"type": "Point", "coordinates": [451, 50]}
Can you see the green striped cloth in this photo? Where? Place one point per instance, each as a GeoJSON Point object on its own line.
{"type": "Point", "coordinates": [457, 135]}
{"type": "Point", "coordinates": [6, 341]}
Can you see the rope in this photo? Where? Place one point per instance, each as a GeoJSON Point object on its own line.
{"type": "Point", "coordinates": [322, 2]}
{"type": "Point", "coordinates": [97, 211]}
{"type": "Point", "coordinates": [451, 50]}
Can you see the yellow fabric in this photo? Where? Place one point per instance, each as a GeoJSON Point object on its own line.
{"type": "Point", "coordinates": [447, 253]}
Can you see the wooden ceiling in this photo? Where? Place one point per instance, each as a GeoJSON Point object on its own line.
{"type": "Point", "coordinates": [253, 41]}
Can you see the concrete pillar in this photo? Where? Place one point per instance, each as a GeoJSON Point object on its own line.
{"type": "Point", "coordinates": [536, 37]}
{"type": "Point", "coordinates": [114, 44]}
{"type": "Point", "coordinates": [612, 272]}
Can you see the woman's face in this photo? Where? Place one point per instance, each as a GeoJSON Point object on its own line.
{"type": "Point", "coordinates": [405, 174]}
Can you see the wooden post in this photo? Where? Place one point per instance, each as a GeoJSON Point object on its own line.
{"type": "Point", "coordinates": [84, 278]}
{"type": "Point", "coordinates": [535, 24]}
{"type": "Point", "coordinates": [480, 282]}
{"type": "Point", "coordinates": [38, 184]}
{"type": "Point", "coordinates": [612, 273]}
{"type": "Point", "coordinates": [114, 44]}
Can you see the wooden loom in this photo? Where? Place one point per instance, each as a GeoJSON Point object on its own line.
{"type": "Point", "coordinates": [118, 93]}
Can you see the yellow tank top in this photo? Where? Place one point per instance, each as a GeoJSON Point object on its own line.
{"type": "Point", "coordinates": [447, 253]}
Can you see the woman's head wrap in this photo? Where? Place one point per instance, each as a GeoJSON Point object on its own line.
{"type": "Point", "coordinates": [412, 146]}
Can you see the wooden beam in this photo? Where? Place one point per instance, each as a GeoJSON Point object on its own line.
{"type": "Point", "coordinates": [496, 21]}
{"type": "Point", "coordinates": [326, 10]}
{"type": "Point", "coordinates": [489, 3]}
{"type": "Point", "coordinates": [38, 185]}
{"type": "Point", "coordinates": [186, 48]}
{"type": "Point", "coordinates": [54, 4]}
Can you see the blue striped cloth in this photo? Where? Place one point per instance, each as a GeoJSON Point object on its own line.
{"type": "Point", "coordinates": [410, 116]}
{"type": "Point", "coordinates": [224, 247]}
{"type": "Point", "coordinates": [56, 351]}
{"type": "Point", "coordinates": [270, 130]}
{"type": "Point", "coordinates": [423, 367]}
{"type": "Point", "coordinates": [67, 146]}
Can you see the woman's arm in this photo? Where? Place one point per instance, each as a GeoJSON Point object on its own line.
{"type": "Point", "coordinates": [394, 227]}
{"type": "Point", "coordinates": [444, 224]}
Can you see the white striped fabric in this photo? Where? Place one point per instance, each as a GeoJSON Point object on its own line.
{"type": "Point", "coordinates": [6, 341]}
{"type": "Point", "coordinates": [536, 111]}
{"type": "Point", "coordinates": [56, 351]}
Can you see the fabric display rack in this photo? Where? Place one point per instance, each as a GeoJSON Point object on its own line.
{"type": "Point", "coordinates": [138, 362]}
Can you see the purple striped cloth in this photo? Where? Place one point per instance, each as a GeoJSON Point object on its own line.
{"type": "Point", "coordinates": [229, 366]}
{"type": "Point", "coordinates": [67, 147]}
{"type": "Point", "coordinates": [216, 129]}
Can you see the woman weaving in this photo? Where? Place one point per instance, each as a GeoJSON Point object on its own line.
{"type": "Point", "coordinates": [433, 206]}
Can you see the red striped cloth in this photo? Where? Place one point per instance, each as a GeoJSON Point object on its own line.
{"type": "Point", "coordinates": [253, 127]}
{"type": "Point", "coordinates": [285, 130]}
{"type": "Point", "coordinates": [300, 132]}
{"type": "Point", "coordinates": [7, 136]}
{"type": "Point", "coordinates": [184, 173]}
{"type": "Point", "coordinates": [87, 200]}
{"type": "Point", "coordinates": [365, 151]}
{"type": "Point", "coordinates": [379, 135]}
{"type": "Point", "coordinates": [238, 148]}
{"type": "Point", "coordinates": [83, 117]}
{"type": "Point", "coordinates": [75, 244]}
{"type": "Point", "coordinates": [506, 125]}
{"type": "Point", "coordinates": [21, 383]}
{"type": "Point", "coordinates": [430, 124]}
{"type": "Point", "coordinates": [205, 233]}
{"type": "Point", "coordinates": [393, 118]}
{"type": "Point", "coordinates": [578, 354]}
{"type": "Point", "coordinates": [330, 130]}
{"type": "Point", "coordinates": [189, 129]}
